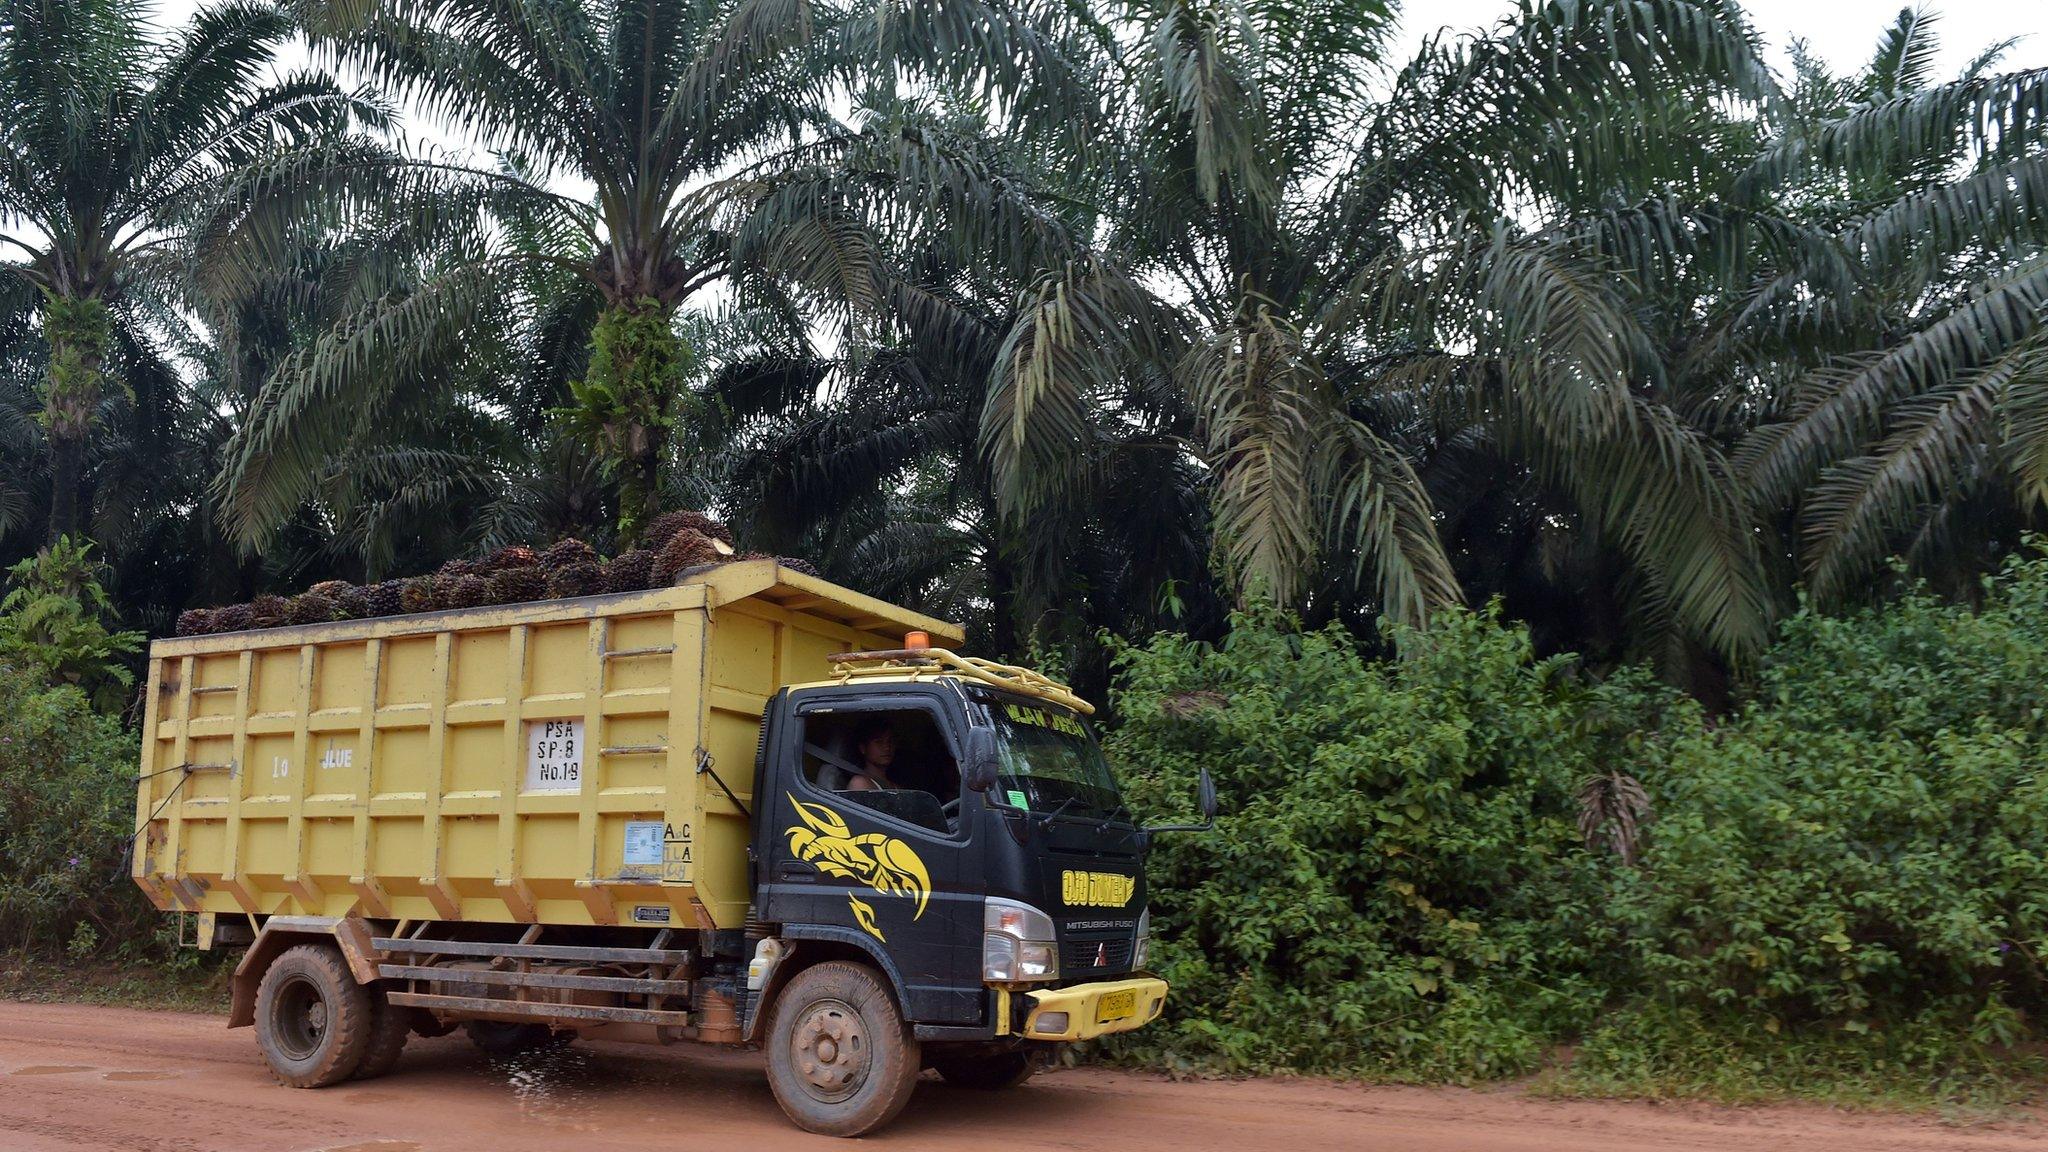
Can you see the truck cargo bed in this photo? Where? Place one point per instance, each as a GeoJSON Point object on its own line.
{"type": "Point", "coordinates": [550, 762]}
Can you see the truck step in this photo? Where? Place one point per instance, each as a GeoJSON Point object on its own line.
{"type": "Point", "coordinates": [625, 985]}
{"type": "Point", "coordinates": [518, 1010]}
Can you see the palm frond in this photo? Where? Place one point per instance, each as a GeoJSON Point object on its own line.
{"type": "Point", "coordinates": [1863, 506]}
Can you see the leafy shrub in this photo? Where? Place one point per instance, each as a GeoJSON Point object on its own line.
{"type": "Point", "coordinates": [66, 810]}
{"type": "Point", "coordinates": [53, 622]}
{"type": "Point", "coordinates": [1863, 848]}
{"type": "Point", "coordinates": [1396, 850]}
{"type": "Point", "coordinates": [1847, 869]}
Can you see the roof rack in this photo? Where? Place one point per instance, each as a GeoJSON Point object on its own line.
{"type": "Point", "coordinates": [916, 662]}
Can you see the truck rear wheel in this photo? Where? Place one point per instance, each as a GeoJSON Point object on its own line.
{"type": "Point", "coordinates": [988, 1072]}
{"type": "Point", "coordinates": [312, 1018]}
{"type": "Point", "coordinates": [841, 1060]}
{"type": "Point", "coordinates": [390, 1025]}
{"type": "Point", "coordinates": [427, 1025]}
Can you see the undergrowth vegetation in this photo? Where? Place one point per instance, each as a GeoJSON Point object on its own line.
{"type": "Point", "coordinates": [1422, 873]}
{"type": "Point", "coordinates": [1457, 863]}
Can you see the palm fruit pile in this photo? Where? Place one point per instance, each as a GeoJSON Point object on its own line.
{"type": "Point", "coordinates": [674, 544]}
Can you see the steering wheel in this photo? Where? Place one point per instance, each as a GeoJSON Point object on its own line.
{"type": "Point", "coordinates": [950, 809]}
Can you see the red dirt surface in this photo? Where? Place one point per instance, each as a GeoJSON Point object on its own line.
{"type": "Point", "coordinates": [75, 1077]}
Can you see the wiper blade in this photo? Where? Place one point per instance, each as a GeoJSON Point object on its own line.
{"type": "Point", "coordinates": [1059, 808]}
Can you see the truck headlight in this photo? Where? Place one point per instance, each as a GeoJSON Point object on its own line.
{"type": "Point", "coordinates": [1141, 950]}
{"type": "Point", "coordinates": [1018, 944]}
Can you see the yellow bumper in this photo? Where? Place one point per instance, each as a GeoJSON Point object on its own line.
{"type": "Point", "coordinates": [1086, 1011]}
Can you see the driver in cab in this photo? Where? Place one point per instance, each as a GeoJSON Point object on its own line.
{"type": "Point", "coordinates": [875, 741]}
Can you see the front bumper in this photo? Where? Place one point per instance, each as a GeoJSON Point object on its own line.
{"type": "Point", "coordinates": [1085, 1011]}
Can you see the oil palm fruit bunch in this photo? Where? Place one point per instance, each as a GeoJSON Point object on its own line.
{"type": "Point", "coordinates": [419, 594]}
{"type": "Point", "coordinates": [685, 550]}
{"type": "Point", "coordinates": [234, 618]}
{"type": "Point", "coordinates": [309, 608]}
{"type": "Point", "coordinates": [562, 553]}
{"type": "Point", "coordinates": [797, 564]}
{"type": "Point", "coordinates": [698, 521]}
{"type": "Point", "coordinates": [470, 591]}
{"type": "Point", "coordinates": [518, 585]}
{"type": "Point", "coordinates": [629, 571]}
{"type": "Point", "coordinates": [268, 611]}
{"type": "Point", "coordinates": [332, 589]}
{"type": "Point", "coordinates": [352, 603]}
{"type": "Point", "coordinates": [514, 556]}
{"type": "Point", "coordinates": [384, 599]}
{"type": "Point", "coordinates": [584, 578]}
{"type": "Point", "coordinates": [664, 528]}
{"type": "Point", "coordinates": [195, 621]}
{"type": "Point", "coordinates": [455, 569]}
{"type": "Point", "coordinates": [661, 530]}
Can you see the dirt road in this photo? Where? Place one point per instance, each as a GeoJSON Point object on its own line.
{"type": "Point", "coordinates": [75, 1077]}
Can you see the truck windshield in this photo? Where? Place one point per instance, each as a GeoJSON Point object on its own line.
{"type": "Point", "coordinates": [1050, 762]}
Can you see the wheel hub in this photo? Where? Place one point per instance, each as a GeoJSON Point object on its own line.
{"type": "Point", "coordinates": [831, 1049]}
{"type": "Point", "coordinates": [301, 1019]}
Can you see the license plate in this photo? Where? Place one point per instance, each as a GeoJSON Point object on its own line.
{"type": "Point", "coordinates": [1116, 1006]}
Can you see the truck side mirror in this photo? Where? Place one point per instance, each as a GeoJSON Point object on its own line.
{"type": "Point", "coordinates": [983, 765]}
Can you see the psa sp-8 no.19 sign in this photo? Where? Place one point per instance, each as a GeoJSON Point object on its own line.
{"type": "Point", "coordinates": [554, 756]}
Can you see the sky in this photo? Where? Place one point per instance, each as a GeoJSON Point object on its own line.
{"type": "Point", "coordinates": [1842, 32]}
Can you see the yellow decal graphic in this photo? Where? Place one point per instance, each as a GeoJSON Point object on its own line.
{"type": "Point", "coordinates": [864, 915]}
{"type": "Point", "coordinates": [1044, 718]}
{"type": "Point", "coordinates": [1097, 889]}
{"type": "Point", "coordinates": [883, 863]}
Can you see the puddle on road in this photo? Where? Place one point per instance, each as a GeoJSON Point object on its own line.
{"type": "Point", "coordinates": [51, 1069]}
{"type": "Point", "coordinates": [376, 1146]}
{"type": "Point", "coordinates": [554, 1086]}
{"type": "Point", "coordinates": [125, 1077]}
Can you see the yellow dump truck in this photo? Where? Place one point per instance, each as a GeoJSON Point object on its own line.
{"type": "Point", "coordinates": [752, 808]}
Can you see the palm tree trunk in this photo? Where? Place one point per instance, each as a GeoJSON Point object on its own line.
{"type": "Point", "coordinates": [637, 376]}
{"type": "Point", "coordinates": [79, 332]}
{"type": "Point", "coordinates": [67, 460]}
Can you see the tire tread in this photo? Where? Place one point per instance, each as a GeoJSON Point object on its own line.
{"type": "Point", "coordinates": [349, 1012]}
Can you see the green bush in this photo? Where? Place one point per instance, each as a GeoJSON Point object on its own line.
{"type": "Point", "coordinates": [1848, 870]}
{"type": "Point", "coordinates": [1385, 888]}
{"type": "Point", "coordinates": [66, 809]}
{"type": "Point", "coordinates": [53, 623]}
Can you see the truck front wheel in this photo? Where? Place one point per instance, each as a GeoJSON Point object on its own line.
{"type": "Point", "coordinates": [841, 1059]}
{"type": "Point", "coordinates": [312, 1018]}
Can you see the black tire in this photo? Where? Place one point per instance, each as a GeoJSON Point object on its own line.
{"type": "Point", "coordinates": [841, 1060]}
{"type": "Point", "coordinates": [426, 1024]}
{"type": "Point", "coordinates": [502, 1038]}
{"type": "Point", "coordinates": [987, 1072]}
{"type": "Point", "coordinates": [312, 1018]}
{"type": "Point", "coordinates": [390, 1025]}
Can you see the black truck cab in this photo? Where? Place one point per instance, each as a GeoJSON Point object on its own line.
{"type": "Point", "coordinates": [987, 864]}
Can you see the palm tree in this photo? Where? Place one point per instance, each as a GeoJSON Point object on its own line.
{"type": "Point", "coordinates": [671, 113]}
{"type": "Point", "coordinates": [108, 139]}
{"type": "Point", "coordinates": [1345, 268]}
{"type": "Point", "coordinates": [1922, 424]}
{"type": "Point", "coordinates": [873, 466]}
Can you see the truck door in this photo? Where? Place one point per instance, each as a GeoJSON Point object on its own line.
{"type": "Point", "coordinates": [867, 836]}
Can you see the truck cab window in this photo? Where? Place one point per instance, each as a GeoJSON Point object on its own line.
{"type": "Point", "coordinates": [894, 761]}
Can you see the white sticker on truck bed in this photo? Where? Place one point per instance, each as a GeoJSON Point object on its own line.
{"type": "Point", "coordinates": [643, 843]}
{"type": "Point", "coordinates": [554, 756]}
